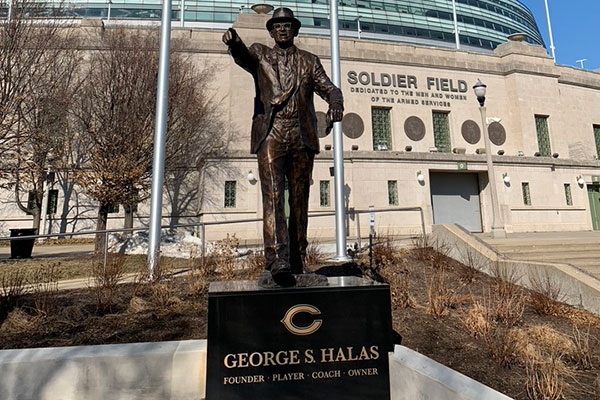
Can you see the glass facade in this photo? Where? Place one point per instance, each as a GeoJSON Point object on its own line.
{"type": "Point", "coordinates": [481, 23]}
{"type": "Point", "coordinates": [393, 193]}
{"type": "Point", "coordinates": [324, 194]}
{"type": "Point", "coordinates": [441, 131]}
{"type": "Point", "coordinates": [568, 195]}
{"type": "Point", "coordinates": [526, 194]}
{"type": "Point", "coordinates": [382, 131]}
{"type": "Point", "coordinates": [543, 135]}
{"type": "Point", "coordinates": [230, 194]}
{"type": "Point", "coordinates": [597, 139]}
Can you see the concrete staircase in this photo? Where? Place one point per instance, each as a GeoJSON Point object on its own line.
{"type": "Point", "coordinates": [580, 249]}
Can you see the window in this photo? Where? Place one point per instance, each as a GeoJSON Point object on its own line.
{"type": "Point", "coordinates": [229, 194]}
{"type": "Point", "coordinates": [441, 131]}
{"type": "Point", "coordinates": [597, 139]}
{"type": "Point", "coordinates": [324, 196]}
{"type": "Point", "coordinates": [543, 136]}
{"type": "Point", "coordinates": [568, 196]}
{"type": "Point", "coordinates": [393, 193]}
{"type": "Point", "coordinates": [30, 201]}
{"type": "Point", "coordinates": [526, 194]}
{"type": "Point", "coordinates": [382, 132]}
{"type": "Point", "coordinates": [52, 201]}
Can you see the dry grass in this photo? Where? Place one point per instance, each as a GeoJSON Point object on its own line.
{"type": "Point", "coordinates": [477, 320]}
{"type": "Point", "coordinates": [501, 344]}
{"type": "Point", "coordinates": [582, 354]}
{"type": "Point", "coordinates": [254, 264]}
{"type": "Point", "coordinates": [422, 245]}
{"type": "Point", "coordinates": [45, 289]}
{"type": "Point", "coordinates": [506, 280]}
{"type": "Point", "coordinates": [314, 253]}
{"type": "Point", "coordinates": [106, 278]}
{"type": "Point", "coordinates": [12, 288]}
{"type": "Point", "coordinates": [546, 294]}
{"type": "Point", "coordinates": [439, 295]}
{"type": "Point", "coordinates": [544, 380]}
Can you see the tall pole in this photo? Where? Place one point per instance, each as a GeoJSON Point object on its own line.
{"type": "Point", "coordinates": [338, 153]}
{"type": "Point", "coordinates": [9, 16]}
{"type": "Point", "coordinates": [455, 18]}
{"type": "Point", "coordinates": [497, 223]}
{"type": "Point", "coordinates": [108, 12]}
{"type": "Point", "coordinates": [160, 128]}
{"type": "Point", "coordinates": [550, 30]}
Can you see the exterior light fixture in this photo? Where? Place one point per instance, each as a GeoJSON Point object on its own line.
{"type": "Point", "coordinates": [479, 88]}
{"type": "Point", "coordinates": [500, 152]}
{"type": "Point", "coordinates": [555, 155]}
{"type": "Point", "coordinates": [262, 8]}
{"type": "Point", "coordinates": [580, 180]}
{"type": "Point", "coordinates": [420, 177]}
{"type": "Point", "coordinates": [408, 148]}
{"type": "Point", "coordinates": [506, 178]}
{"type": "Point", "coordinates": [251, 177]}
{"type": "Point", "coordinates": [520, 153]}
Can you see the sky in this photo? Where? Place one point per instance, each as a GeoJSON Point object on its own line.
{"type": "Point", "coordinates": [575, 28]}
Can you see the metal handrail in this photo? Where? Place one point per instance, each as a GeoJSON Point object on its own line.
{"type": "Point", "coordinates": [202, 225]}
{"type": "Point", "coordinates": [350, 212]}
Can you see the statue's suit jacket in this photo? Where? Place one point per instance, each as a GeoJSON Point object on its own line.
{"type": "Point", "coordinates": [261, 61]}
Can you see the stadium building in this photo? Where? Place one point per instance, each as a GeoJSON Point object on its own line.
{"type": "Point", "coordinates": [483, 24]}
{"type": "Point", "coordinates": [412, 131]}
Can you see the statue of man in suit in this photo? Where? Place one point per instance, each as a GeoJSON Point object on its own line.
{"type": "Point", "coordinates": [284, 135]}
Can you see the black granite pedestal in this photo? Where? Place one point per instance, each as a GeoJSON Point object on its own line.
{"type": "Point", "coordinates": [326, 342]}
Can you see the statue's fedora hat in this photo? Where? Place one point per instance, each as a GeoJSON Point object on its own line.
{"type": "Point", "coordinates": [283, 14]}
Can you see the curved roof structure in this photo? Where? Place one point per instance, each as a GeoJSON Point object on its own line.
{"type": "Point", "coordinates": [482, 24]}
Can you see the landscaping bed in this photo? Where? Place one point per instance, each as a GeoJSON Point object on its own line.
{"type": "Point", "coordinates": [522, 343]}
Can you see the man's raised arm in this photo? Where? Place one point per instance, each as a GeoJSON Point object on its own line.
{"type": "Point", "coordinates": [238, 50]}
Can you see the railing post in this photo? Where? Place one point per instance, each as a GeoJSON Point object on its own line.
{"type": "Point", "coordinates": [105, 251]}
{"type": "Point", "coordinates": [203, 239]}
{"type": "Point", "coordinates": [422, 221]}
{"type": "Point", "coordinates": [357, 221]}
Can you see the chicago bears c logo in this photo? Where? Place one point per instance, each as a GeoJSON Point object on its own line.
{"type": "Point", "coordinates": [288, 320]}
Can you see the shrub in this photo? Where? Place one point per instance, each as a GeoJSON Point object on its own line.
{"type": "Point", "coordinates": [546, 294]}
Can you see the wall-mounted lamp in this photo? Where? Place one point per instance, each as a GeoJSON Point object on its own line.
{"type": "Point", "coordinates": [500, 152]}
{"type": "Point", "coordinates": [555, 155]}
{"type": "Point", "coordinates": [420, 177]}
{"type": "Point", "coordinates": [537, 154]}
{"type": "Point", "coordinates": [251, 177]}
{"type": "Point", "coordinates": [327, 147]}
{"type": "Point", "coordinates": [506, 178]}
{"type": "Point", "coordinates": [459, 150]}
{"type": "Point", "coordinates": [408, 148]}
{"type": "Point", "coordinates": [480, 150]}
{"type": "Point", "coordinates": [520, 153]}
{"type": "Point", "coordinates": [354, 147]}
{"type": "Point", "coordinates": [580, 180]}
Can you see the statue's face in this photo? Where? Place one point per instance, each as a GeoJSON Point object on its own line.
{"type": "Point", "coordinates": [283, 33]}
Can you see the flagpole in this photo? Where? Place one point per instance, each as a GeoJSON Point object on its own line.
{"type": "Point", "coordinates": [338, 153]}
{"type": "Point", "coordinates": [160, 134]}
{"type": "Point", "coordinates": [550, 31]}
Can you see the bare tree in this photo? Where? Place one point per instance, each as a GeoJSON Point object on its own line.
{"type": "Point", "coordinates": [116, 110]}
{"type": "Point", "coordinates": [38, 64]}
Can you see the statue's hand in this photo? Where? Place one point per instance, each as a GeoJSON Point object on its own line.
{"type": "Point", "coordinates": [230, 37]}
{"type": "Point", "coordinates": [335, 114]}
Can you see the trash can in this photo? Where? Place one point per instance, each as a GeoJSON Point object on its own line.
{"type": "Point", "coordinates": [21, 248]}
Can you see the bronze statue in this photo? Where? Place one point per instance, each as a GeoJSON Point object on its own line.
{"type": "Point", "coordinates": [284, 135]}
